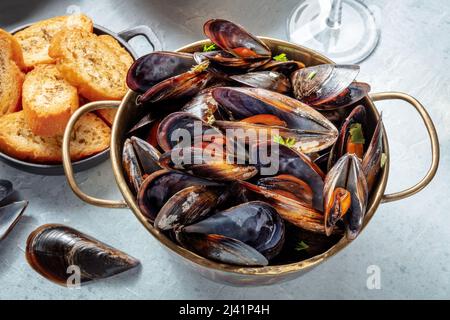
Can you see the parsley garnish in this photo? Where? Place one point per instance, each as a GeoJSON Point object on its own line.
{"type": "Point", "coordinates": [288, 142]}
{"type": "Point", "coordinates": [281, 57]}
{"type": "Point", "coordinates": [356, 134]}
{"type": "Point", "coordinates": [209, 47]}
{"type": "Point", "coordinates": [383, 160]}
{"type": "Point", "coordinates": [311, 75]}
{"type": "Point", "coordinates": [301, 246]}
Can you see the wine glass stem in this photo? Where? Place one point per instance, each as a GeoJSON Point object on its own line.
{"type": "Point", "coordinates": [335, 18]}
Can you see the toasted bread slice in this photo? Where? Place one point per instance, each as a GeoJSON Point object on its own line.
{"type": "Point", "coordinates": [91, 136]}
{"type": "Point", "coordinates": [35, 40]}
{"type": "Point", "coordinates": [8, 42]}
{"type": "Point", "coordinates": [11, 78]}
{"type": "Point", "coordinates": [90, 64]}
{"type": "Point", "coordinates": [48, 100]}
{"type": "Point", "coordinates": [107, 115]}
{"type": "Point", "coordinates": [121, 52]}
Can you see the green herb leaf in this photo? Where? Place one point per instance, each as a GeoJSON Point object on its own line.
{"type": "Point", "coordinates": [311, 75]}
{"type": "Point", "coordinates": [356, 134]}
{"type": "Point", "coordinates": [281, 57]}
{"type": "Point", "coordinates": [301, 246]}
{"type": "Point", "coordinates": [210, 47]}
{"type": "Point", "coordinates": [383, 160]}
{"type": "Point", "coordinates": [288, 142]}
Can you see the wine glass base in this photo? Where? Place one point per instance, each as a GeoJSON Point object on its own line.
{"type": "Point", "coordinates": [351, 42]}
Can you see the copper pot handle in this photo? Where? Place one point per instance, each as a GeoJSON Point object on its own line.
{"type": "Point", "coordinates": [67, 163]}
{"type": "Point", "coordinates": [433, 138]}
{"type": "Point", "coordinates": [144, 31]}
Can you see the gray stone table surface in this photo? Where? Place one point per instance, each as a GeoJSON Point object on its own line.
{"type": "Point", "coordinates": [408, 240]}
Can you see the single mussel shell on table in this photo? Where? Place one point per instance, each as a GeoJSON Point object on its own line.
{"type": "Point", "coordinates": [345, 195]}
{"type": "Point", "coordinates": [6, 189]}
{"type": "Point", "coordinates": [313, 131]}
{"type": "Point", "coordinates": [157, 66]}
{"type": "Point", "coordinates": [255, 223]}
{"type": "Point", "coordinates": [10, 215]}
{"type": "Point", "coordinates": [139, 159]}
{"type": "Point", "coordinates": [53, 248]}
{"type": "Point", "coordinates": [269, 80]}
{"type": "Point", "coordinates": [161, 185]}
{"type": "Point", "coordinates": [237, 43]}
{"type": "Point", "coordinates": [323, 83]}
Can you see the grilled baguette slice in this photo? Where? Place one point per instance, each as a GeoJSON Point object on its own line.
{"type": "Point", "coordinates": [90, 64]}
{"type": "Point", "coordinates": [11, 77]}
{"type": "Point", "coordinates": [35, 40]}
{"type": "Point", "coordinates": [121, 52]}
{"type": "Point", "coordinates": [8, 42]}
{"type": "Point", "coordinates": [91, 136]}
{"type": "Point", "coordinates": [48, 100]}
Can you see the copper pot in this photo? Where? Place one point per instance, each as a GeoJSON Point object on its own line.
{"type": "Point", "coordinates": [235, 275]}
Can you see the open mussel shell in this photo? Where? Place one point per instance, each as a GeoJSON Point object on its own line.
{"type": "Point", "coordinates": [222, 249]}
{"type": "Point", "coordinates": [10, 215]}
{"type": "Point", "coordinates": [289, 186]}
{"type": "Point", "coordinates": [202, 163]}
{"type": "Point", "coordinates": [131, 166]}
{"type": "Point", "coordinates": [6, 189]}
{"type": "Point", "coordinates": [372, 158]}
{"type": "Point", "coordinates": [295, 163]}
{"type": "Point", "coordinates": [224, 64]}
{"type": "Point", "coordinates": [182, 129]}
{"type": "Point", "coordinates": [284, 67]}
{"type": "Point", "coordinates": [255, 223]}
{"type": "Point", "coordinates": [148, 156]}
{"type": "Point", "coordinates": [269, 80]}
{"type": "Point", "coordinates": [322, 83]}
{"type": "Point", "coordinates": [347, 174]}
{"type": "Point", "coordinates": [241, 103]}
{"type": "Point", "coordinates": [203, 106]}
{"type": "Point", "coordinates": [187, 206]}
{"type": "Point", "coordinates": [353, 94]}
{"type": "Point", "coordinates": [357, 115]}
{"type": "Point", "coordinates": [53, 248]}
{"type": "Point", "coordinates": [157, 66]}
{"type": "Point", "coordinates": [235, 40]}
{"type": "Point", "coordinates": [298, 213]}
{"type": "Point", "coordinates": [161, 185]}
{"type": "Point", "coordinates": [184, 85]}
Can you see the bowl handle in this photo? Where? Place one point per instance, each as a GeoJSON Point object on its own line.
{"type": "Point", "coordinates": [144, 31]}
{"type": "Point", "coordinates": [433, 138]}
{"type": "Point", "coordinates": [67, 163]}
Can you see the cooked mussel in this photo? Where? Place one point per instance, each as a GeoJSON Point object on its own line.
{"type": "Point", "coordinates": [372, 161]}
{"type": "Point", "coordinates": [188, 206]}
{"type": "Point", "coordinates": [237, 42]}
{"type": "Point", "coordinates": [184, 85]}
{"type": "Point", "coordinates": [345, 195]}
{"type": "Point", "coordinates": [52, 249]}
{"type": "Point", "coordinates": [254, 223]}
{"type": "Point", "coordinates": [10, 215]}
{"type": "Point", "coordinates": [157, 66]}
{"type": "Point", "coordinates": [139, 159]}
{"type": "Point", "coordinates": [269, 80]}
{"type": "Point", "coordinates": [284, 67]}
{"type": "Point", "coordinates": [313, 130]}
{"type": "Point", "coordinates": [322, 84]}
{"type": "Point", "coordinates": [203, 106]}
{"type": "Point", "coordinates": [207, 164]}
{"type": "Point", "coordinates": [161, 185]}
{"type": "Point", "coordinates": [222, 249]}
{"type": "Point", "coordinates": [183, 129]}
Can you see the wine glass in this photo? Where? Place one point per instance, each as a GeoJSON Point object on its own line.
{"type": "Point", "coordinates": [343, 30]}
